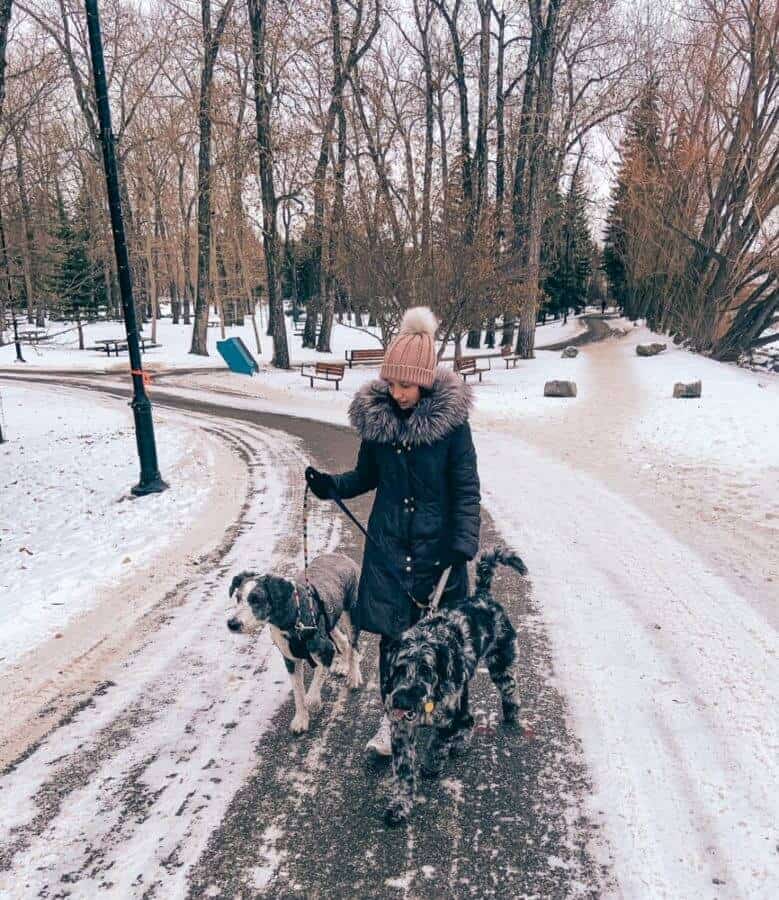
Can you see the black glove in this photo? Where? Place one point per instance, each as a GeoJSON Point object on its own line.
{"type": "Point", "coordinates": [321, 484]}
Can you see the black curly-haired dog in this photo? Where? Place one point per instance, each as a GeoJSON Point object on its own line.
{"type": "Point", "coordinates": [429, 674]}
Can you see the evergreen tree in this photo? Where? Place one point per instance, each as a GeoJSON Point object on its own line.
{"type": "Point", "coordinates": [630, 254]}
{"type": "Point", "coordinates": [76, 282]}
{"type": "Point", "coordinates": [567, 252]}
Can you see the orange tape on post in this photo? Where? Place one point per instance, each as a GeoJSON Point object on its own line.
{"type": "Point", "coordinates": [144, 375]}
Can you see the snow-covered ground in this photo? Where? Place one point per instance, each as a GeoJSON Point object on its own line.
{"type": "Point", "coordinates": [170, 737]}
{"type": "Point", "coordinates": [62, 352]}
{"type": "Point", "coordinates": [69, 527]}
{"type": "Point", "coordinates": [82, 560]}
{"type": "Point", "coordinates": [651, 530]}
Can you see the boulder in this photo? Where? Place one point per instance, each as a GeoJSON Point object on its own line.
{"type": "Point", "coordinates": [570, 353]}
{"type": "Point", "coordinates": [692, 390]}
{"type": "Point", "coordinates": [560, 389]}
{"type": "Point", "coordinates": [650, 349]}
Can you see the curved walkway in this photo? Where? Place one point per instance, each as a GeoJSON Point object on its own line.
{"type": "Point", "coordinates": [169, 782]}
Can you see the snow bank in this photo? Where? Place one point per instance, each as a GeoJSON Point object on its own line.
{"type": "Point", "coordinates": [69, 527]}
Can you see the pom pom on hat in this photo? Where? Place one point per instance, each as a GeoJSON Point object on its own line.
{"type": "Point", "coordinates": [419, 320]}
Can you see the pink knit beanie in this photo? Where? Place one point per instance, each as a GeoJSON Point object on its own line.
{"type": "Point", "coordinates": [411, 357]}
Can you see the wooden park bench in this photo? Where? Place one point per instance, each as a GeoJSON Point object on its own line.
{"type": "Point", "coordinates": [372, 357]}
{"type": "Point", "coordinates": [469, 365]}
{"type": "Point", "coordinates": [324, 372]}
{"type": "Point", "coordinates": [509, 357]}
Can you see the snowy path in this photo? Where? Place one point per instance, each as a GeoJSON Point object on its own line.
{"type": "Point", "coordinates": [662, 615]}
{"type": "Point", "coordinates": [100, 804]}
{"type": "Point", "coordinates": [179, 778]}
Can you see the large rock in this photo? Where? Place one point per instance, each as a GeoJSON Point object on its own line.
{"type": "Point", "coordinates": [650, 349]}
{"type": "Point", "coordinates": [570, 353]}
{"type": "Point", "coordinates": [692, 390]}
{"type": "Point", "coordinates": [560, 389]}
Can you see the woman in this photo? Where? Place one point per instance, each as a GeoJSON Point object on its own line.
{"type": "Point", "coordinates": [417, 452]}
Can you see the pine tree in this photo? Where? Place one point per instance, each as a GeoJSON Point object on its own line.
{"type": "Point", "coordinates": [76, 284]}
{"type": "Point", "coordinates": [630, 253]}
{"type": "Point", "coordinates": [567, 251]}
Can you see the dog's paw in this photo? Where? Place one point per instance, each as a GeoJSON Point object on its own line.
{"type": "Point", "coordinates": [395, 815]}
{"type": "Point", "coordinates": [432, 767]}
{"type": "Point", "coordinates": [314, 704]}
{"type": "Point", "coordinates": [512, 725]}
{"type": "Point", "coordinates": [354, 681]}
{"type": "Point", "coordinates": [299, 725]}
{"type": "Point", "coordinates": [340, 667]}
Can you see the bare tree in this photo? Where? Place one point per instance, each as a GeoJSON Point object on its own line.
{"type": "Point", "coordinates": [212, 36]}
{"type": "Point", "coordinates": [258, 19]}
{"type": "Point", "coordinates": [5, 22]}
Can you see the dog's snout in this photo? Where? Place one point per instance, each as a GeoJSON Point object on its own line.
{"type": "Point", "coordinates": [233, 624]}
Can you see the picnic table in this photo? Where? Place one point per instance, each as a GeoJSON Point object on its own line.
{"type": "Point", "coordinates": [33, 336]}
{"type": "Point", "coordinates": [117, 345]}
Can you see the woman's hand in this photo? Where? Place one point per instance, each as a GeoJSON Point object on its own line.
{"type": "Point", "coordinates": [322, 485]}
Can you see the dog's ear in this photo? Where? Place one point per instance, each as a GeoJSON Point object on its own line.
{"type": "Point", "coordinates": [279, 591]}
{"type": "Point", "coordinates": [449, 664]}
{"type": "Point", "coordinates": [238, 580]}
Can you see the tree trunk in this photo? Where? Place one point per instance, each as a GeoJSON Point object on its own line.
{"type": "Point", "coordinates": [258, 21]}
{"type": "Point", "coordinates": [485, 14]}
{"type": "Point", "coordinates": [529, 190]}
{"type": "Point", "coordinates": [473, 341]}
{"type": "Point", "coordinates": [28, 238]}
{"type": "Point", "coordinates": [5, 21]}
{"type": "Point", "coordinates": [211, 40]}
{"type": "Point", "coordinates": [500, 128]}
{"type": "Point", "coordinates": [336, 221]}
{"type": "Point", "coordinates": [465, 128]}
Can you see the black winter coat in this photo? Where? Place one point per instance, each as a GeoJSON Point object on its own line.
{"type": "Point", "coordinates": [423, 467]}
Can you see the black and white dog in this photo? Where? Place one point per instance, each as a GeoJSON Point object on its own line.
{"type": "Point", "coordinates": [429, 674]}
{"type": "Point", "coordinates": [312, 626]}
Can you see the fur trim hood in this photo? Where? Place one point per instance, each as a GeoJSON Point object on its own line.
{"type": "Point", "coordinates": [442, 409]}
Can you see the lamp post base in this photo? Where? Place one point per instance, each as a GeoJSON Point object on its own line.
{"type": "Point", "coordinates": [153, 486]}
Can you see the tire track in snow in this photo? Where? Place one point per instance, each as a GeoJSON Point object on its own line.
{"type": "Point", "coordinates": [109, 789]}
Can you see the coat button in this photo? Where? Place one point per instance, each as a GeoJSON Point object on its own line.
{"type": "Point", "coordinates": [408, 559]}
{"type": "Point", "coordinates": [408, 568]}
{"type": "Point", "coordinates": [405, 500]}
{"type": "Point", "coordinates": [399, 450]}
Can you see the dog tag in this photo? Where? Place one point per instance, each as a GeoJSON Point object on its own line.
{"type": "Point", "coordinates": [429, 706]}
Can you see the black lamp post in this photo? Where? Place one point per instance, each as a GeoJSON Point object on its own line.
{"type": "Point", "coordinates": [19, 357]}
{"type": "Point", "coordinates": [151, 481]}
